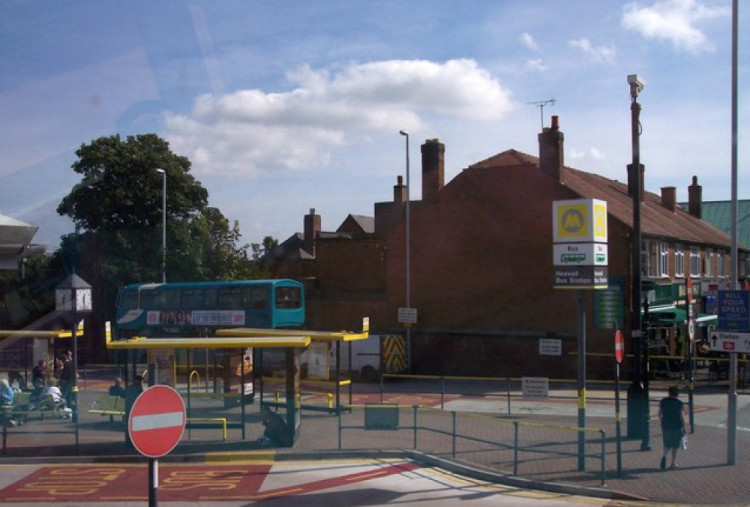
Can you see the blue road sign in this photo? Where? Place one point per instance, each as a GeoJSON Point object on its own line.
{"type": "Point", "coordinates": [733, 310]}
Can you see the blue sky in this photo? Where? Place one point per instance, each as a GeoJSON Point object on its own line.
{"type": "Point", "coordinates": [289, 105]}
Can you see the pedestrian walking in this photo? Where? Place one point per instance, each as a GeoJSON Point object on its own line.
{"type": "Point", "coordinates": [672, 417]}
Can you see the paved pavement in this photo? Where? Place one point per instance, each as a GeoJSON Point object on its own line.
{"type": "Point", "coordinates": [703, 476]}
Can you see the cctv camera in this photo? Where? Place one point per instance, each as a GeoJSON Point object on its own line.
{"type": "Point", "coordinates": [633, 80]}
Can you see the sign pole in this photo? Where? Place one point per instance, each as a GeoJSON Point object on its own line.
{"type": "Point", "coordinates": [153, 463]}
{"type": "Point", "coordinates": [581, 380]}
{"type": "Point", "coordinates": [619, 353]}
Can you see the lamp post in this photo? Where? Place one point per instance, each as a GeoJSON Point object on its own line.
{"type": "Point", "coordinates": [73, 294]}
{"type": "Point", "coordinates": [163, 225]}
{"type": "Point", "coordinates": [408, 251]}
{"type": "Point", "coordinates": [638, 403]}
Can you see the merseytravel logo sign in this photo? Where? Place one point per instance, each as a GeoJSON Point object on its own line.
{"type": "Point", "coordinates": [580, 220]}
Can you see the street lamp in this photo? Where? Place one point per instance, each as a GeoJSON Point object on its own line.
{"type": "Point", "coordinates": [638, 392]}
{"type": "Point", "coordinates": [163, 225]}
{"type": "Point", "coordinates": [408, 259]}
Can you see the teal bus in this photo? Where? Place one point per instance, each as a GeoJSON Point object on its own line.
{"type": "Point", "coordinates": [199, 308]}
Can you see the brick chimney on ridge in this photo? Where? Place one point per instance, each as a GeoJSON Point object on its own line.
{"type": "Point", "coordinates": [551, 155]}
{"type": "Point", "coordinates": [669, 198]}
{"type": "Point", "coordinates": [312, 231]}
{"type": "Point", "coordinates": [695, 199]}
{"type": "Point", "coordinates": [433, 169]}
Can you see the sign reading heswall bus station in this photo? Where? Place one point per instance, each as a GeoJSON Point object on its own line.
{"type": "Point", "coordinates": [579, 252]}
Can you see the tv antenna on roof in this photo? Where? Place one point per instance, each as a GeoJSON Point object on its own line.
{"type": "Point", "coordinates": [540, 104]}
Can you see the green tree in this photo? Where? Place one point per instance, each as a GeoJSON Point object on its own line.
{"type": "Point", "coordinates": [117, 210]}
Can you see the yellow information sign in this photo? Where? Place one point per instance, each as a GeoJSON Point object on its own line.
{"type": "Point", "coordinates": [579, 220]}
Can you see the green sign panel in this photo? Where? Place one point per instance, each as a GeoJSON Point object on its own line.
{"type": "Point", "coordinates": [609, 305]}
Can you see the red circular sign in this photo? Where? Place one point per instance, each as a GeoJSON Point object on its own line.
{"type": "Point", "coordinates": [157, 421]}
{"type": "Point", "coordinates": [619, 347]}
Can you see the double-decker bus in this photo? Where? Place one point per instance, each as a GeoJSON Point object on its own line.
{"type": "Point", "coordinates": [200, 308]}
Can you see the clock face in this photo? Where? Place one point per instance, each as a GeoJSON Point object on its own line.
{"type": "Point", "coordinates": [83, 300]}
{"type": "Point", "coordinates": [63, 300]}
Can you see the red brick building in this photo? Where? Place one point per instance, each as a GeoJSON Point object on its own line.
{"type": "Point", "coordinates": [482, 265]}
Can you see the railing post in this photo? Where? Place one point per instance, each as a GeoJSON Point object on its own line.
{"type": "Point", "coordinates": [382, 377]}
{"type": "Point", "coordinates": [339, 420]}
{"type": "Point", "coordinates": [515, 447]}
{"type": "Point", "coordinates": [442, 391]}
{"type": "Point", "coordinates": [416, 407]}
{"type": "Point", "coordinates": [453, 414]}
{"type": "Point", "coordinates": [508, 395]}
{"type": "Point", "coordinates": [604, 471]}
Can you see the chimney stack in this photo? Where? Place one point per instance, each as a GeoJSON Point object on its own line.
{"type": "Point", "coordinates": [551, 155]}
{"type": "Point", "coordinates": [669, 198]}
{"type": "Point", "coordinates": [433, 169]}
{"type": "Point", "coordinates": [399, 191]}
{"type": "Point", "coordinates": [695, 199]}
{"type": "Point", "coordinates": [312, 230]}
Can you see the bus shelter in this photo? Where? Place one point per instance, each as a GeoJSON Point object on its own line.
{"type": "Point", "coordinates": [293, 342]}
{"type": "Point", "coordinates": [334, 338]}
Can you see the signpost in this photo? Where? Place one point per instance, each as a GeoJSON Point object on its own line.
{"type": "Point", "coordinates": [579, 232]}
{"type": "Point", "coordinates": [619, 356]}
{"type": "Point", "coordinates": [155, 425]}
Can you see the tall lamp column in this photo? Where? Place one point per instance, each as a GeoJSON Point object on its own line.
{"type": "Point", "coordinates": [408, 251]}
{"type": "Point", "coordinates": [163, 225]}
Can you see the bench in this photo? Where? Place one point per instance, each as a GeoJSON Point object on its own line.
{"type": "Point", "coordinates": [109, 405]}
{"type": "Point", "coordinates": [20, 409]}
{"type": "Point", "coordinates": [205, 422]}
{"type": "Point", "coordinates": [277, 396]}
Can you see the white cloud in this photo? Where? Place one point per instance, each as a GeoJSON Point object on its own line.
{"type": "Point", "coordinates": [673, 21]}
{"type": "Point", "coordinates": [528, 41]}
{"type": "Point", "coordinates": [598, 54]}
{"type": "Point", "coordinates": [248, 131]}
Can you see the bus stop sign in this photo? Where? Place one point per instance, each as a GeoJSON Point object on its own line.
{"type": "Point", "coordinates": [157, 421]}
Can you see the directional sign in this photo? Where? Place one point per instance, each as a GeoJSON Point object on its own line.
{"type": "Point", "coordinates": [581, 277]}
{"type": "Point", "coordinates": [730, 342]}
{"type": "Point", "coordinates": [157, 421]}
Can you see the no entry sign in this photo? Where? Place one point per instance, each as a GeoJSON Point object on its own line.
{"type": "Point", "coordinates": [157, 421]}
{"type": "Point", "coordinates": [619, 347]}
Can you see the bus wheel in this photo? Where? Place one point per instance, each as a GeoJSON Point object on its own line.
{"type": "Point", "coordinates": [368, 374]}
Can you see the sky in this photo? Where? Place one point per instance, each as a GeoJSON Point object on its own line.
{"type": "Point", "coordinates": [290, 105]}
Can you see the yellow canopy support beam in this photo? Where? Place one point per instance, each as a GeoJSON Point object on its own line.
{"type": "Point", "coordinates": [333, 336]}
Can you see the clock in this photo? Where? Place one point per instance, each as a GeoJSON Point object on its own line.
{"type": "Point", "coordinates": [63, 300]}
{"type": "Point", "coordinates": [83, 300]}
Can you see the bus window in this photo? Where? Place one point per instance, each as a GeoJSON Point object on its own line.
{"type": "Point", "coordinates": [128, 300]}
{"type": "Point", "coordinates": [151, 299]}
{"type": "Point", "coordinates": [192, 299]}
{"type": "Point", "coordinates": [171, 300]}
{"type": "Point", "coordinates": [230, 298]}
{"type": "Point", "coordinates": [288, 297]}
{"type": "Point", "coordinates": [254, 298]}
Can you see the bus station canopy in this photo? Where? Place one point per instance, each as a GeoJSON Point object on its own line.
{"type": "Point", "coordinates": [241, 338]}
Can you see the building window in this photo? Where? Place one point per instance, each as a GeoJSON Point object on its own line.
{"type": "Point", "coordinates": [708, 269]}
{"type": "Point", "coordinates": [695, 261]}
{"type": "Point", "coordinates": [679, 261]}
{"type": "Point", "coordinates": [721, 267]}
{"type": "Point", "coordinates": [664, 260]}
{"type": "Point", "coordinates": [650, 259]}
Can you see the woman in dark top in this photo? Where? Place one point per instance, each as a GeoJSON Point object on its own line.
{"type": "Point", "coordinates": [672, 425]}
